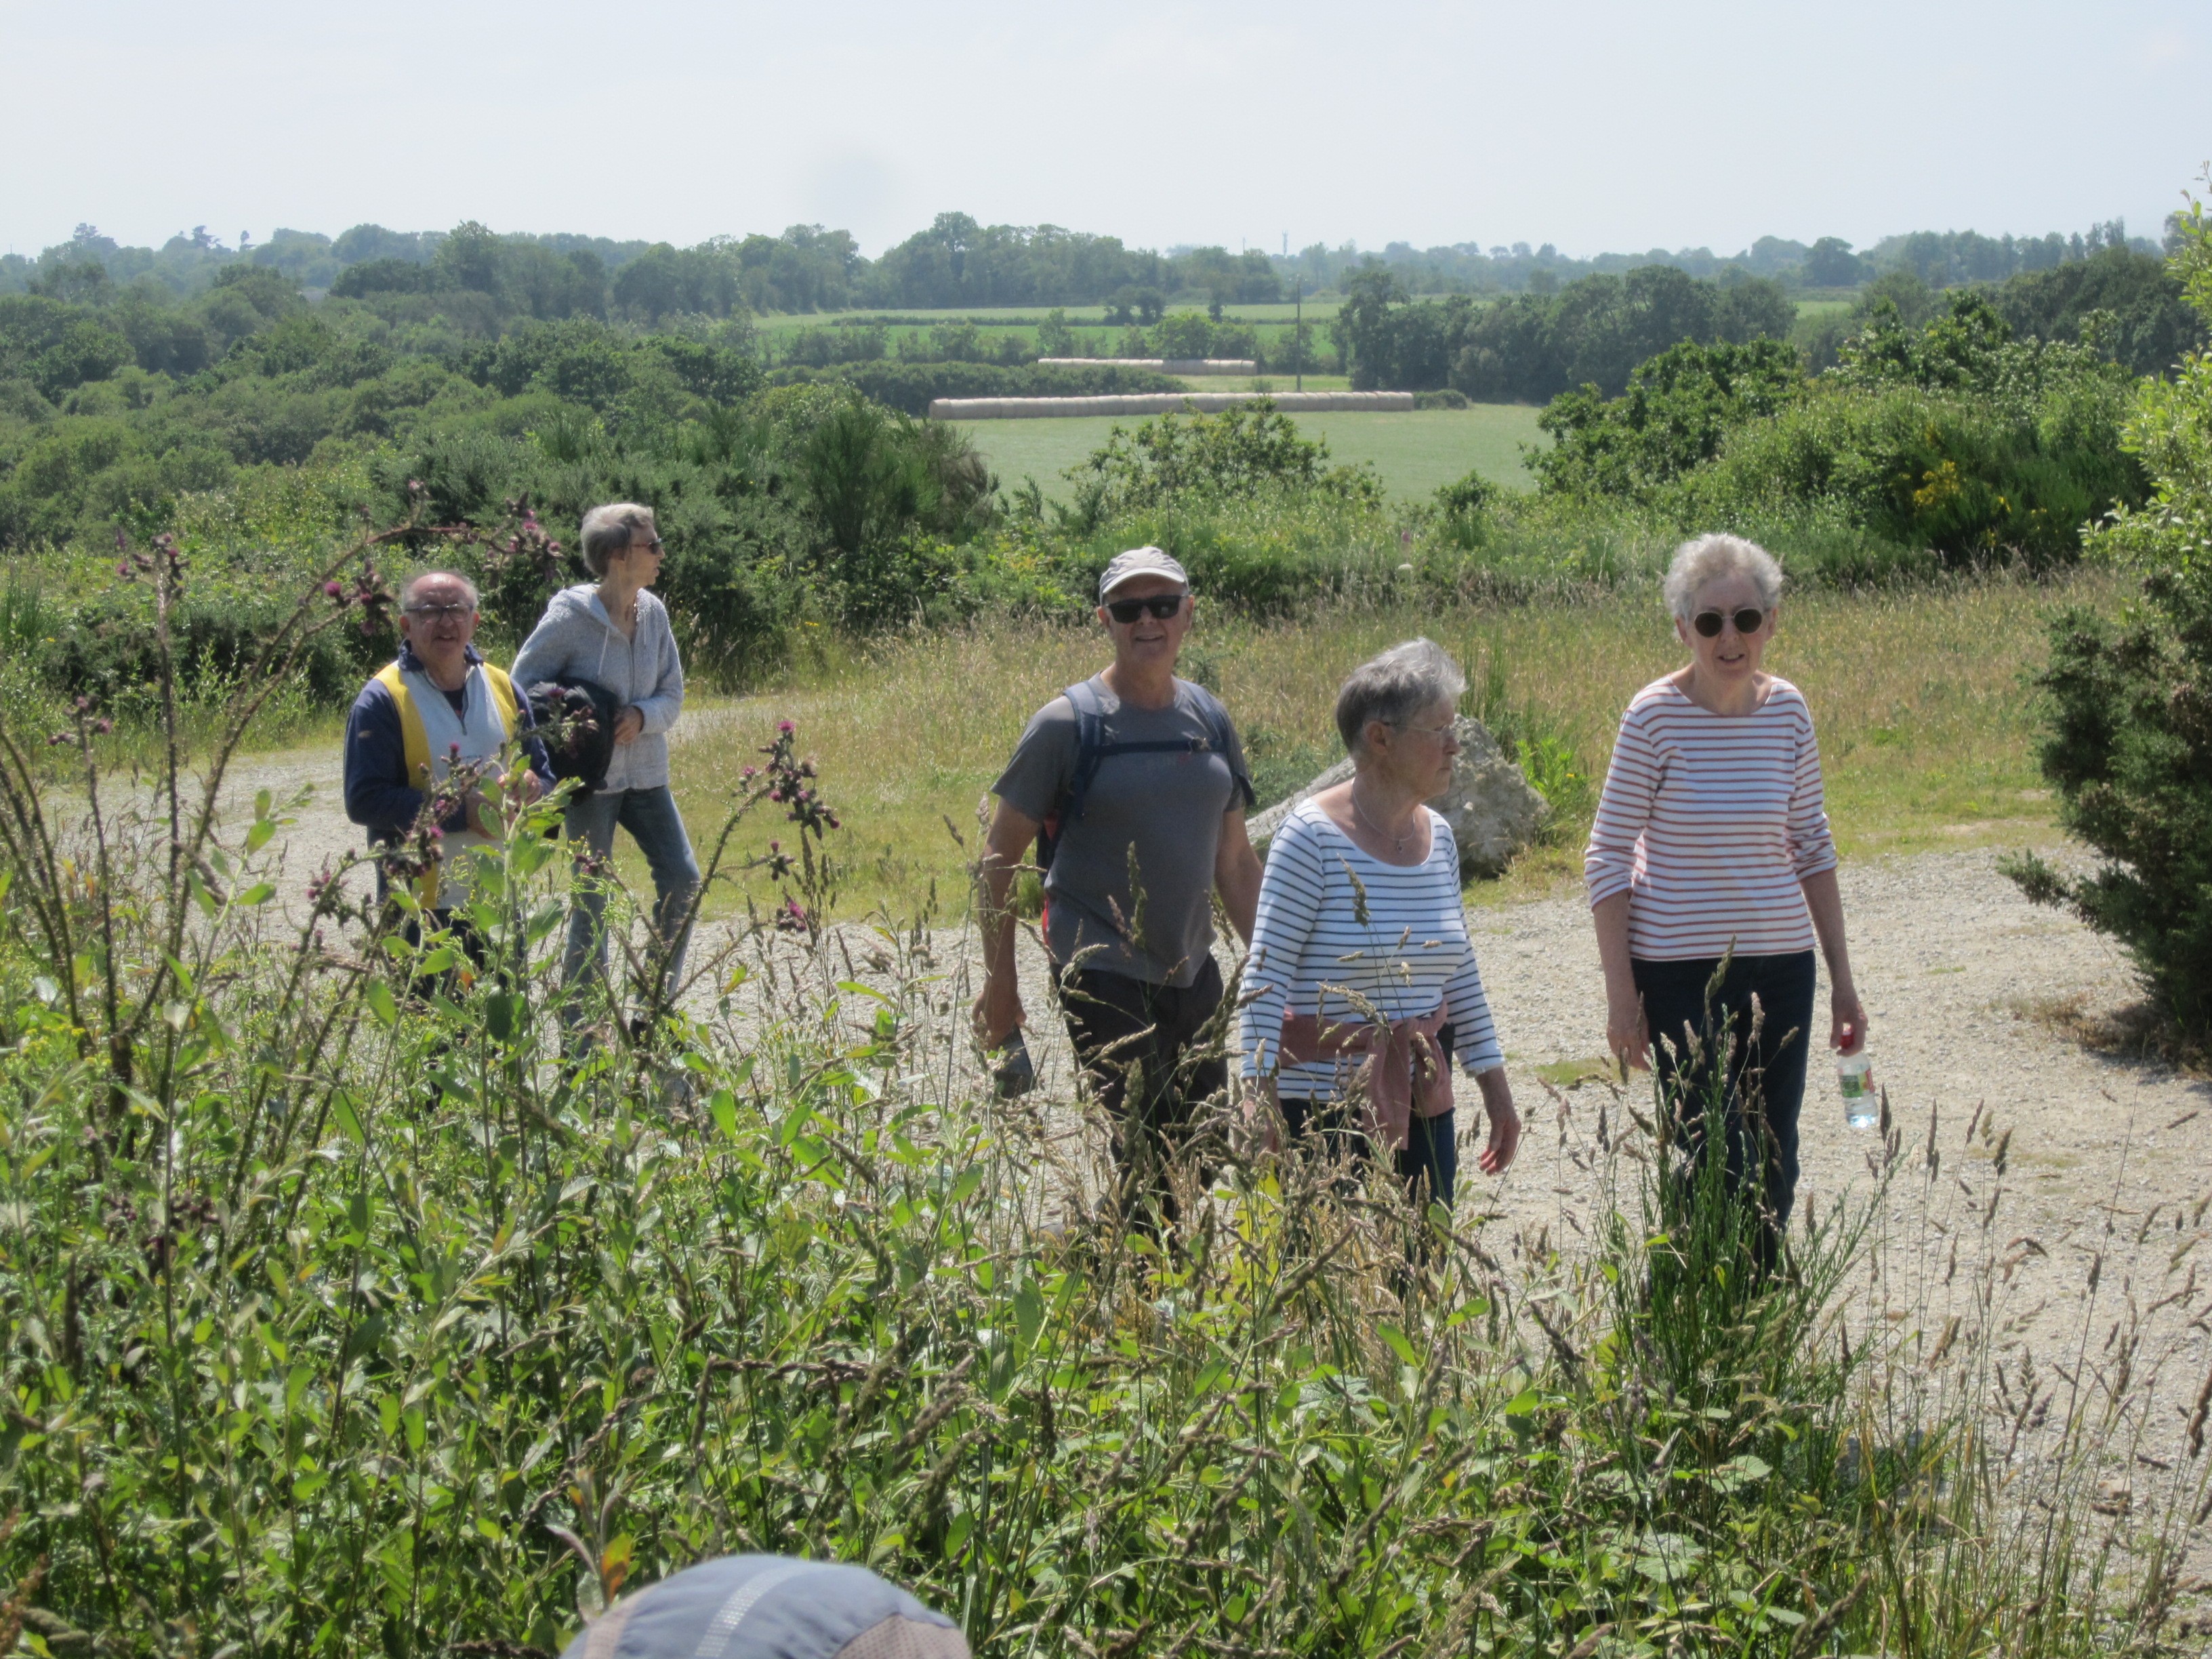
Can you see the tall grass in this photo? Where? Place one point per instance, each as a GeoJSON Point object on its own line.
{"type": "Point", "coordinates": [1918, 692]}
{"type": "Point", "coordinates": [330, 1286]}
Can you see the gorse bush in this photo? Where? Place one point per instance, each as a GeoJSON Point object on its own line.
{"type": "Point", "coordinates": [1953, 438]}
{"type": "Point", "coordinates": [330, 1290]}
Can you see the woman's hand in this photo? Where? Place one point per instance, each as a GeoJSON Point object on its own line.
{"type": "Point", "coordinates": [1496, 1154]}
{"type": "Point", "coordinates": [1627, 1037]}
{"type": "Point", "coordinates": [1263, 1114]}
{"type": "Point", "coordinates": [1847, 1020]}
{"type": "Point", "coordinates": [630, 724]}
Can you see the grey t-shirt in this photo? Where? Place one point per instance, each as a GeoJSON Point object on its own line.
{"type": "Point", "coordinates": [1166, 808]}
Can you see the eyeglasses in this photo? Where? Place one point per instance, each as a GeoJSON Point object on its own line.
{"type": "Point", "coordinates": [442, 612]}
{"type": "Point", "coordinates": [1162, 606]}
{"type": "Point", "coordinates": [1746, 621]}
{"type": "Point", "coordinates": [636, 546]}
{"type": "Point", "coordinates": [1439, 732]}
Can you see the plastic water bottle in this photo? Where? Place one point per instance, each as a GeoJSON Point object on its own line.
{"type": "Point", "coordinates": [1862, 1103]}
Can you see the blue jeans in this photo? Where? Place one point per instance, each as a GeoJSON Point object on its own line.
{"type": "Point", "coordinates": [653, 822]}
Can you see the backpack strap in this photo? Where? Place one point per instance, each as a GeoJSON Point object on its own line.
{"type": "Point", "coordinates": [1091, 748]}
{"type": "Point", "coordinates": [415, 746]}
{"type": "Point", "coordinates": [1216, 721]}
{"type": "Point", "coordinates": [1089, 745]}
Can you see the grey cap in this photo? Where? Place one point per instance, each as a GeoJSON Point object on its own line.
{"type": "Point", "coordinates": [1141, 561]}
{"type": "Point", "coordinates": [770, 1607]}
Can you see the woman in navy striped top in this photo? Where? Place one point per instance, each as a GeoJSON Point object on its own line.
{"type": "Point", "coordinates": [1711, 846]}
{"type": "Point", "coordinates": [1361, 985]}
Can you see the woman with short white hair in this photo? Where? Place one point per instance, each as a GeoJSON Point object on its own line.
{"type": "Point", "coordinates": [1361, 987]}
{"type": "Point", "coordinates": [614, 632]}
{"type": "Point", "coordinates": [1711, 872]}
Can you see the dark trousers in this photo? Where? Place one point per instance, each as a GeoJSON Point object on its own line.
{"type": "Point", "coordinates": [1152, 1060]}
{"type": "Point", "coordinates": [1428, 1163]}
{"type": "Point", "coordinates": [1686, 1011]}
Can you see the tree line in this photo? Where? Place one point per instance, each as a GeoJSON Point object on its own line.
{"type": "Point", "coordinates": [1592, 333]}
{"type": "Point", "coordinates": [957, 261]}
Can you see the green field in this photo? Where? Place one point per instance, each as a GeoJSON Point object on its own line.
{"type": "Point", "coordinates": [1416, 452]}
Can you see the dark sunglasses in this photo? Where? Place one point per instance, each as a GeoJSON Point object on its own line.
{"type": "Point", "coordinates": [1162, 606]}
{"type": "Point", "coordinates": [1746, 621]}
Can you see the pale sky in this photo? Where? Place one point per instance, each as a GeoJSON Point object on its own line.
{"type": "Point", "coordinates": [1609, 125]}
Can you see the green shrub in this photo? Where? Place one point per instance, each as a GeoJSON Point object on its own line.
{"type": "Point", "coordinates": [2130, 741]}
{"type": "Point", "coordinates": [1247, 451]}
{"type": "Point", "coordinates": [1918, 468]}
{"type": "Point", "coordinates": [1678, 407]}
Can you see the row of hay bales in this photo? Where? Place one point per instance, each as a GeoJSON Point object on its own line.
{"type": "Point", "coordinates": [1159, 364]}
{"type": "Point", "coordinates": [1164, 403]}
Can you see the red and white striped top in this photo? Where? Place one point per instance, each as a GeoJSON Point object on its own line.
{"type": "Point", "coordinates": [1709, 822]}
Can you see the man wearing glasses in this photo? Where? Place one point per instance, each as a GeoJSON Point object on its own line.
{"type": "Point", "coordinates": [440, 705]}
{"type": "Point", "coordinates": [1137, 783]}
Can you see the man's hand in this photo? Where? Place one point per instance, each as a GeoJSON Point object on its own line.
{"type": "Point", "coordinates": [630, 724]}
{"type": "Point", "coordinates": [998, 1011]}
{"type": "Point", "coordinates": [532, 786]}
{"type": "Point", "coordinates": [475, 804]}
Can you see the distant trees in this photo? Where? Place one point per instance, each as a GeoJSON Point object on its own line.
{"type": "Point", "coordinates": [2129, 305]}
{"type": "Point", "coordinates": [1830, 263]}
{"type": "Point", "coordinates": [1533, 347]}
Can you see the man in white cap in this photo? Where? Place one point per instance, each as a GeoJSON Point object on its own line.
{"type": "Point", "coordinates": [1136, 783]}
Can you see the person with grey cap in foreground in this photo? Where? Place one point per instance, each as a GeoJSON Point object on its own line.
{"type": "Point", "coordinates": [1134, 787]}
{"type": "Point", "coordinates": [769, 1607]}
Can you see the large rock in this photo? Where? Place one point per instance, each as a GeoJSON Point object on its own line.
{"type": "Point", "coordinates": [1490, 807]}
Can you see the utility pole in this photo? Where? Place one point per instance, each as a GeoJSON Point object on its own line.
{"type": "Point", "coordinates": [1298, 325]}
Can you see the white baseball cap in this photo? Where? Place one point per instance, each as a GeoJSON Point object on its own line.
{"type": "Point", "coordinates": [1141, 561]}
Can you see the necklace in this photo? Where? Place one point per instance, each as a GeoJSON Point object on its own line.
{"type": "Point", "coordinates": [1397, 842]}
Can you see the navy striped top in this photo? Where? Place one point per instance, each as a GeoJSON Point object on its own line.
{"type": "Point", "coordinates": [1334, 918]}
{"type": "Point", "coordinates": [1711, 823]}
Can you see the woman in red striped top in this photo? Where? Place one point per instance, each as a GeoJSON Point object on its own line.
{"type": "Point", "coordinates": [1711, 869]}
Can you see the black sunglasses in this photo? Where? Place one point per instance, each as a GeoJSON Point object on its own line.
{"type": "Point", "coordinates": [1162, 606]}
{"type": "Point", "coordinates": [1746, 621]}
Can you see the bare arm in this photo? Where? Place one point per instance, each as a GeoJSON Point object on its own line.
{"type": "Point", "coordinates": [1847, 1018]}
{"type": "Point", "coordinates": [999, 1008]}
{"type": "Point", "coordinates": [1236, 873]}
{"type": "Point", "coordinates": [1627, 1038]}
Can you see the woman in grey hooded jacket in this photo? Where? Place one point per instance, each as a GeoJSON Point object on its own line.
{"type": "Point", "coordinates": [615, 632]}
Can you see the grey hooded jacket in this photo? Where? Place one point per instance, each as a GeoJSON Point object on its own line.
{"type": "Point", "coordinates": [576, 640]}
